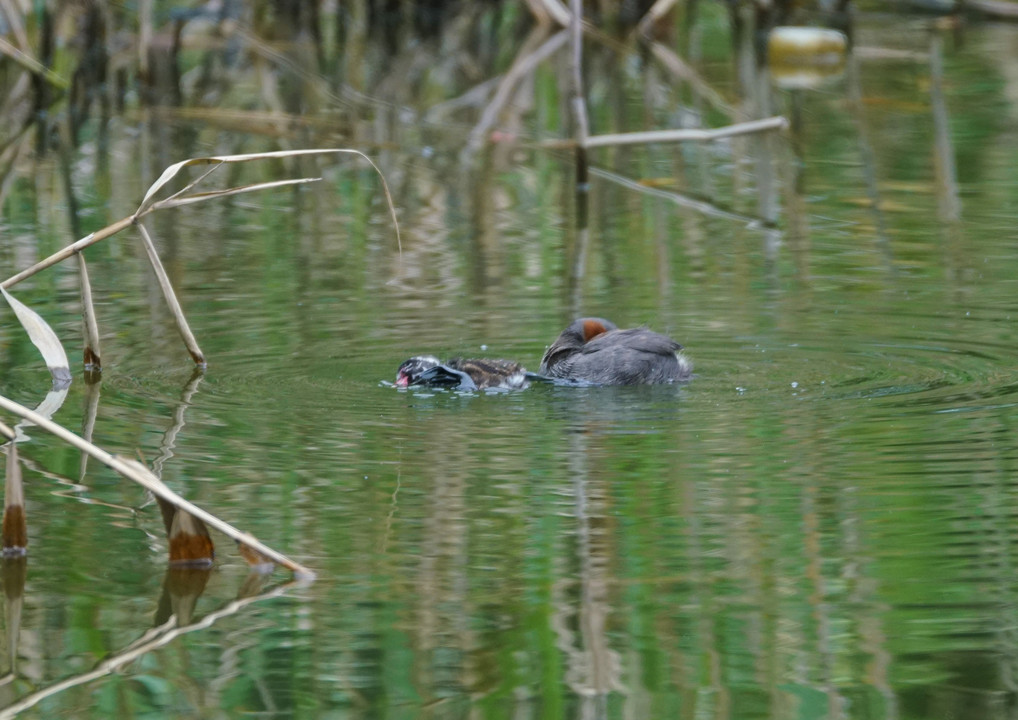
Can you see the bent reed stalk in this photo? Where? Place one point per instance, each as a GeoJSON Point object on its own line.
{"type": "Point", "coordinates": [185, 196]}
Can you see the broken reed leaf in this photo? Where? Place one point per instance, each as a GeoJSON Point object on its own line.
{"type": "Point", "coordinates": [43, 337]}
{"type": "Point", "coordinates": [14, 530]}
{"type": "Point", "coordinates": [7, 432]}
{"type": "Point", "coordinates": [179, 200]}
{"type": "Point", "coordinates": [148, 203]}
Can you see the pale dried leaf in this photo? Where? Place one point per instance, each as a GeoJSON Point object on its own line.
{"type": "Point", "coordinates": [43, 337]}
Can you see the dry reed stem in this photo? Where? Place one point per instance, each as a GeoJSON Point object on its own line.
{"type": "Point", "coordinates": [171, 298]}
{"type": "Point", "coordinates": [522, 66]}
{"type": "Point", "coordinates": [66, 252]}
{"type": "Point", "coordinates": [179, 200]}
{"type": "Point", "coordinates": [150, 204]}
{"type": "Point", "coordinates": [135, 471]}
{"type": "Point", "coordinates": [579, 99]}
{"type": "Point", "coordinates": [692, 135]}
{"type": "Point", "coordinates": [15, 22]}
{"type": "Point", "coordinates": [683, 71]}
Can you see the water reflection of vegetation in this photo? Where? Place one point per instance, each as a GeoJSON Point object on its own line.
{"type": "Point", "coordinates": [752, 550]}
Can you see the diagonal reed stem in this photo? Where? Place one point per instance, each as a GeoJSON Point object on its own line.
{"type": "Point", "coordinates": [135, 471]}
{"type": "Point", "coordinates": [66, 252]}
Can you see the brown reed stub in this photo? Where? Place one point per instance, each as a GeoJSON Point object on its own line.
{"type": "Point", "coordinates": [15, 531]}
{"type": "Point", "coordinates": [190, 542]}
{"type": "Point", "coordinates": [191, 551]}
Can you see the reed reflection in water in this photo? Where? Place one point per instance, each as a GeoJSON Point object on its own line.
{"type": "Point", "coordinates": [819, 525]}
